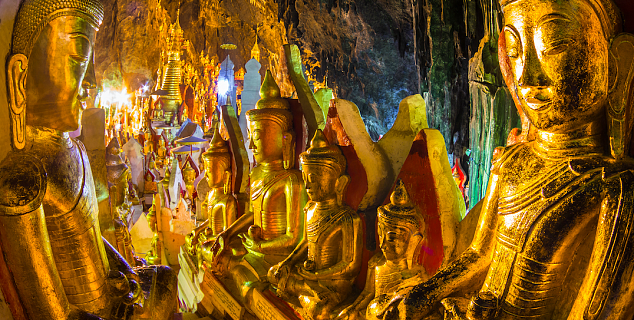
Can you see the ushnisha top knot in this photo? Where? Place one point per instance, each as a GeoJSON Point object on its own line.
{"type": "Point", "coordinates": [401, 209]}
{"type": "Point", "coordinates": [323, 154]}
{"type": "Point", "coordinates": [272, 106]}
{"type": "Point", "coordinates": [218, 150]}
{"type": "Point", "coordinates": [34, 15]}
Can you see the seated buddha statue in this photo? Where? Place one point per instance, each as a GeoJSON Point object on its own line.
{"type": "Point", "coordinates": [397, 265]}
{"type": "Point", "coordinates": [219, 205]}
{"type": "Point", "coordinates": [322, 269]}
{"type": "Point", "coordinates": [274, 223]}
{"type": "Point", "coordinates": [59, 264]}
{"type": "Point", "coordinates": [118, 174]}
{"type": "Point", "coordinates": [553, 240]}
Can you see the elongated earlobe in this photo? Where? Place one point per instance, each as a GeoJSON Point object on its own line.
{"type": "Point", "coordinates": [340, 187]}
{"type": "Point", "coordinates": [16, 81]}
{"type": "Point", "coordinates": [619, 113]}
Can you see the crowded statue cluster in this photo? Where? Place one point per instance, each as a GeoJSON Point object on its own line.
{"type": "Point", "coordinates": [282, 206]}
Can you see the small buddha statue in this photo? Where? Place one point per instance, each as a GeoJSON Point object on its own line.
{"type": "Point", "coordinates": [396, 267]}
{"type": "Point", "coordinates": [153, 256]}
{"type": "Point", "coordinates": [554, 235]}
{"type": "Point", "coordinates": [189, 175]}
{"type": "Point", "coordinates": [60, 265]}
{"type": "Point", "coordinates": [322, 269]}
{"type": "Point", "coordinates": [219, 205]}
{"type": "Point", "coordinates": [147, 147]}
{"type": "Point", "coordinates": [274, 223]}
{"type": "Point", "coordinates": [120, 205]}
{"type": "Point", "coordinates": [161, 153]}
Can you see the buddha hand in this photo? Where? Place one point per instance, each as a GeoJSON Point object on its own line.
{"type": "Point", "coordinates": [408, 303]}
{"type": "Point", "coordinates": [279, 273]}
{"type": "Point", "coordinates": [349, 313]}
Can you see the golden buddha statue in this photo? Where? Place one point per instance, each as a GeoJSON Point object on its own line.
{"type": "Point", "coordinates": [49, 231]}
{"type": "Point", "coordinates": [120, 207]}
{"type": "Point", "coordinates": [220, 205]}
{"type": "Point", "coordinates": [153, 256]}
{"type": "Point", "coordinates": [189, 175]}
{"type": "Point", "coordinates": [554, 231]}
{"type": "Point", "coordinates": [275, 219]}
{"type": "Point", "coordinates": [397, 266]}
{"type": "Point", "coordinates": [331, 253]}
{"type": "Point", "coordinates": [147, 147]}
{"type": "Point", "coordinates": [161, 153]}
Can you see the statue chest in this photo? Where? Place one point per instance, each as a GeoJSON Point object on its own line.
{"type": "Point", "coordinates": [69, 179]}
{"type": "Point", "coordinates": [268, 202]}
{"type": "Point", "coordinates": [541, 222]}
{"type": "Point", "coordinates": [324, 236]}
{"type": "Point", "coordinates": [216, 211]}
{"type": "Point", "coordinates": [387, 279]}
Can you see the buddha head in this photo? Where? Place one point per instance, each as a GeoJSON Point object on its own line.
{"type": "Point", "coordinates": [270, 126]}
{"type": "Point", "coordinates": [51, 64]}
{"type": "Point", "coordinates": [562, 60]}
{"type": "Point", "coordinates": [323, 169]}
{"type": "Point", "coordinates": [217, 163]}
{"type": "Point", "coordinates": [398, 222]}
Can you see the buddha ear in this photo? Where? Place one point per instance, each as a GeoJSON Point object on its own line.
{"type": "Point", "coordinates": [621, 72]}
{"type": "Point", "coordinates": [288, 150]}
{"type": "Point", "coordinates": [16, 81]}
{"type": "Point", "coordinates": [340, 187]}
{"type": "Point", "coordinates": [226, 177]}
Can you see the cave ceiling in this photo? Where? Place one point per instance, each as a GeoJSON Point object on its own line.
{"type": "Point", "coordinates": [361, 49]}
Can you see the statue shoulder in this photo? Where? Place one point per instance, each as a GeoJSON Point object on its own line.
{"type": "Point", "coordinates": [376, 260]}
{"type": "Point", "coordinates": [294, 176]}
{"type": "Point", "coordinates": [22, 183]}
{"type": "Point", "coordinates": [502, 155]}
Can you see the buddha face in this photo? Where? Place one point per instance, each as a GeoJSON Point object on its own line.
{"type": "Point", "coordinates": [321, 182]}
{"type": "Point", "coordinates": [266, 140]}
{"type": "Point", "coordinates": [393, 240]}
{"type": "Point", "coordinates": [60, 70]}
{"type": "Point", "coordinates": [559, 59]}
{"type": "Point", "coordinates": [216, 173]}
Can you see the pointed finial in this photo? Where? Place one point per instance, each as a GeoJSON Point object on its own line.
{"type": "Point", "coordinates": [269, 88]}
{"type": "Point", "coordinates": [319, 140]}
{"type": "Point", "coordinates": [217, 144]}
{"type": "Point", "coordinates": [400, 197]}
{"type": "Point", "coordinates": [401, 211]}
{"type": "Point", "coordinates": [323, 154]}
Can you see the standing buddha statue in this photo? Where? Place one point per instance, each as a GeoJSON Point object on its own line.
{"type": "Point", "coordinates": [219, 205]}
{"type": "Point", "coordinates": [554, 235]}
{"type": "Point", "coordinates": [322, 269]}
{"type": "Point", "coordinates": [274, 223]}
{"type": "Point", "coordinates": [58, 262]}
{"type": "Point", "coordinates": [397, 266]}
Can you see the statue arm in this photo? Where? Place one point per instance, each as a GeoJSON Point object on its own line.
{"type": "Point", "coordinates": [240, 225]}
{"type": "Point", "coordinates": [295, 230]}
{"type": "Point", "coordinates": [365, 297]}
{"type": "Point", "coordinates": [231, 212]}
{"type": "Point", "coordinates": [298, 255]}
{"type": "Point", "coordinates": [607, 290]}
{"type": "Point", "coordinates": [470, 266]}
{"type": "Point", "coordinates": [351, 246]}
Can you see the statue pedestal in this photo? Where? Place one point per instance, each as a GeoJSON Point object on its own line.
{"type": "Point", "coordinates": [264, 304]}
{"type": "Point", "coordinates": [216, 293]}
